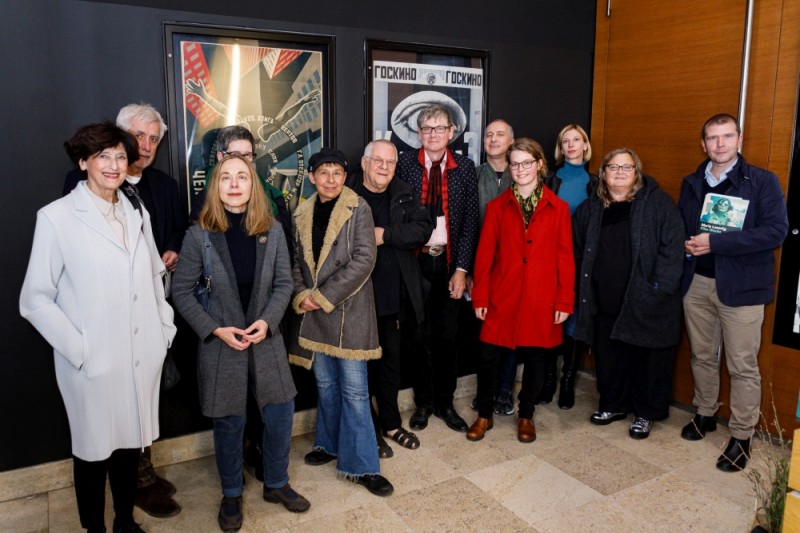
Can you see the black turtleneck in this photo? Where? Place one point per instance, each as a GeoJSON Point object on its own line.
{"type": "Point", "coordinates": [242, 248]}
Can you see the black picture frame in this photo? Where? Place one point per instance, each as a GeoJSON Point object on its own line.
{"type": "Point", "coordinates": [279, 85]}
{"type": "Point", "coordinates": [786, 327]}
{"type": "Point", "coordinates": [402, 77]}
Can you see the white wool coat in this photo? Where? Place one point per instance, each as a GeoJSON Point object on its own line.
{"type": "Point", "coordinates": [102, 309]}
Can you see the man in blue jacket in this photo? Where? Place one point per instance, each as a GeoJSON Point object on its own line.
{"type": "Point", "coordinates": [728, 277]}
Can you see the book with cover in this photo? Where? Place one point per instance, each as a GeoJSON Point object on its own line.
{"type": "Point", "coordinates": [722, 213]}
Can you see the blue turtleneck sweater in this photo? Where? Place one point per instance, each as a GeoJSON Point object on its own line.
{"type": "Point", "coordinates": [574, 179]}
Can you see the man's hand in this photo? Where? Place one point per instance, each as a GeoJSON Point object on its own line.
{"type": "Point", "coordinates": [170, 259]}
{"type": "Point", "coordinates": [457, 284]}
{"type": "Point", "coordinates": [700, 244]}
{"type": "Point", "coordinates": [378, 236]}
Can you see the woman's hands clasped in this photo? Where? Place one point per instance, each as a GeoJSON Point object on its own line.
{"type": "Point", "coordinates": [241, 339]}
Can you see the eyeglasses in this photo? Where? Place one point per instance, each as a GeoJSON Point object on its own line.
{"type": "Point", "coordinates": [250, 156]}
{"type": "Point", "coordinates": [514, 165]}
{"type": "Point", "coordinates": [325, 174]}
{"type": "Point", "coordinates": [624, 168]}
{"type": "Point", "coordinates": [379, 162]}
{"type": "Point", "coordinates": [427, 130]}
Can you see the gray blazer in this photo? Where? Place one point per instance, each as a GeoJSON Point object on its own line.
{"type": "Point", "coordinates": [223, 372]}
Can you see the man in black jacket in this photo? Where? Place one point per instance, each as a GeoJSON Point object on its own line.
{"type": "Point", "coordinates": [401, 226]}
{"type": "Point", "coordinates": [159, 194]}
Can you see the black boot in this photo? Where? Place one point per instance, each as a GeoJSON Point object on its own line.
{"type": "Point", "coordinates": [735, 456]}
{"type": "Point", "coordinates": [549, 383]}
{"type": "Point", "coordinates": [572, 359]}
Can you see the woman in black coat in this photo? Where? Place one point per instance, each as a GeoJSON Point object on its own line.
{"type": "Point", "coordinates": [628, 242]}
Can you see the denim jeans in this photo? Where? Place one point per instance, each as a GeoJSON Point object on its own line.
{"type": "Point", "coordinates": [228, 433]}
{"type": "Point", "coordinates": [344, 423]}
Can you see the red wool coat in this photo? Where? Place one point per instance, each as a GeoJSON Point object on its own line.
{"type": "Point", "coordinates": [524, 276]}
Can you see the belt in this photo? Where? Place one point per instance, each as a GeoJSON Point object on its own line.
{"type": "Point", "coordinates": [433, 251]}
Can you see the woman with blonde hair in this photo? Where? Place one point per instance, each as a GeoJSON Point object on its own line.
{"type": "Point", "coordinates": [524, 283]}
{"type": "Point", "coordinates": [241, 350]}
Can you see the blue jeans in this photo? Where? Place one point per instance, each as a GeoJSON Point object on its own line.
{"type": "Point", "coordinates": [277, 436]}
{"type": "Point", "coordinates": [344, 423]}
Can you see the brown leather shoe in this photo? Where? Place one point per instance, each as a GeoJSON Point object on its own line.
{"type": "Point", "coordinates": [479, 428]}
{"type": "Point", "coordinates": [526, 431]}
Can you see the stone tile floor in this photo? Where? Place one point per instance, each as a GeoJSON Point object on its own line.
{"type": "Point", "coordinates": [575, 477]}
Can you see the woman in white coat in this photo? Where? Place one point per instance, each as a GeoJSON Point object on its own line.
{"type": "Point", "coordinates": [93, 290]}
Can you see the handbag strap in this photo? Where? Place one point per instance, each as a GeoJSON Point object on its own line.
{"type": "Point", "coordinates": [207, 260]}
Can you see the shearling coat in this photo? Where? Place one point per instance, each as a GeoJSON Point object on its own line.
{"type": "Point", "coordinates": [524, 275]}
{"type": "Point", "coordinates": [650, 316]}
{"type": "Point", "coordinates": [339, 282]}
{"type": "Point", "coordinates": [223, 372]}
{"type": "Point", "coordinates": [102, 309]}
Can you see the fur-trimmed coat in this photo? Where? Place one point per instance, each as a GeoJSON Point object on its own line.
{"type": "Point", "coordinates": [345, 326]}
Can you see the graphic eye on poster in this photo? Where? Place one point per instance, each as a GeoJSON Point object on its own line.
{"type": "Point", "coordinates": [404, 79]}
{"type": "Point", "coordinates": [275, 85]}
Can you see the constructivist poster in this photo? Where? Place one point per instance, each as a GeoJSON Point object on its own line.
{"type": "Point", "coordinates": [403, 82]}
{"type": "Point", "coordinates": [277, 89]}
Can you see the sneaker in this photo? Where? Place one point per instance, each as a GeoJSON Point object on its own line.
{"type": "Point", "coordinates": [640, 429]}
{"type": "Point", "coordinates": [504, 405]}
{"type": "Point", "coordinates": [602, 418]}
{"type": "Point", "coordinates": [318, 457]}
{"type": "Point", "coordinates": [288, 497]}
{"type": "Point", "coordinates": [230, 514]}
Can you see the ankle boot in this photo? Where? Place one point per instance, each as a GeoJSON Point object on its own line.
{"type": "Point", "coordinates": [735, 456]}
{"type": "Point", "coordinates": [550, 375]}
{"type": "Point", "coordinates": [572, 359]}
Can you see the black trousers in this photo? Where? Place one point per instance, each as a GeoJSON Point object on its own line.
{"type": "Point", "coordinates": [90, 488]}
{"type": "Point", "coordinates": [384, 374]}
{"type": "Point", "coordinates": [631, 378]}
{"type": "Point", "coordinates": [533, 359]}
{"type": "Point", "coordinates": [435, 363]}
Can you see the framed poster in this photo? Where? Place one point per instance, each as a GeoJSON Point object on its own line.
{"type": "Point", "coordinates": [277, 85]}
{"type": "Point", "coordinates": [786, 326]}
{"type": "Point", "coordinates": [403, 78]}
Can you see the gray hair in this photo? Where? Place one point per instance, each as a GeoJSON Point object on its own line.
{"type": "Point", "coordinates": [502, 121]}
{"type": "Point", "coordinates": [144, 112]}
{"type": "Point", "coordinates": [432, 111]}
{"type": "Point", "coordinates": [371, 145]}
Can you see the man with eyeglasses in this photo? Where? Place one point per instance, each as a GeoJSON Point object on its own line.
{"type": "Point", "coordinates": [159, 194]}
{"type": "Point", "coordinates": [446, 183]}
{"type": "Point", "coordinates": [727, 279]}
{"type": "Point", "coordinates": [402, 225]}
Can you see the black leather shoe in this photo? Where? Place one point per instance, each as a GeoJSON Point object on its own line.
{"type": "Point", "coordinates": [230, 514]}
{"type": "Point", "coordinates": [603, 418]}
{"type": "Point", "coordinates": [698, 427]}
{"type": "Point", "coordinates": [318, 457]}
{"type": "Point", "coordinates": [286, 495]}
{"type": "Point", "coordinates": [156, 503]}
{"type": "Point", "coordinates": [376, 484]}
{"type": "Point", "coordinates": [452, 419]}
{"type": "Point", "coordinates": [735, 456]}
{"type": "Point", "coordinates": [419, 420]}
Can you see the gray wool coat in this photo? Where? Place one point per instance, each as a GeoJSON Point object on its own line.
{"type": "Point", "coordinates": [340, 283]}
{"type": "Point", "coordinates": [223, 372]}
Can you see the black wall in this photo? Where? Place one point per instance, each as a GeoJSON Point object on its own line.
{"type": "Point", "coordinates": [65, 63]}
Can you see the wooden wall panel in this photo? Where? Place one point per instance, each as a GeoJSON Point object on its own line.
{"type": "Point", "coordinates": [660, 71]}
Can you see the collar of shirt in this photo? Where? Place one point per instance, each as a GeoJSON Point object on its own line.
{"type": "Point", "coordinates": [429, 161]}
{"type": "Point", "coordinates": [711, 180]}
{"type": "Point", "coordinates": [133, 180]}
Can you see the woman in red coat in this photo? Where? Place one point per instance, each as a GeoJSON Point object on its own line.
{"type": "Point", "coordinates": [523, 282]}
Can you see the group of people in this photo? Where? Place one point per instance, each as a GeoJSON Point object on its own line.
{"type": "Point", "coordinates": [379, 256]}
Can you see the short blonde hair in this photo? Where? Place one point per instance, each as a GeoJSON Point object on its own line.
{"type": "Point", "coordinates": [259, 217]}
{"type": "Point", "coordinates": [560, 155]}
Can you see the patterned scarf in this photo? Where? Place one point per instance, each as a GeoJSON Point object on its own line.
{"type": "Point", "coordinates": [528, 205]}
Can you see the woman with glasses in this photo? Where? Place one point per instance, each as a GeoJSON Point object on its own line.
{"type": "Point", "coordinates": [573, 184]}
{"type": "Point", "coordinates": [629, 255]}
{"type": "Point", "coordinates": [241, 351]}
{"type": "Point", "coordinates": [524, 283]}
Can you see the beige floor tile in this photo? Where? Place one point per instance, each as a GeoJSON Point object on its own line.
{"type": "Point", "coordinates": [600, 465]}
{"type": "Point", "coordinates": [533, 489]}
{"type": "Point", "coordinates": [454, 505]}
{"type": "Point", "coordinates": [375, 517]}
{"type": "Point", "coordinates": [25, 515]}
{"type": "Point", "coordinates": [669, 503]}
{"type": "Point", "coordinates": [597, 516]}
